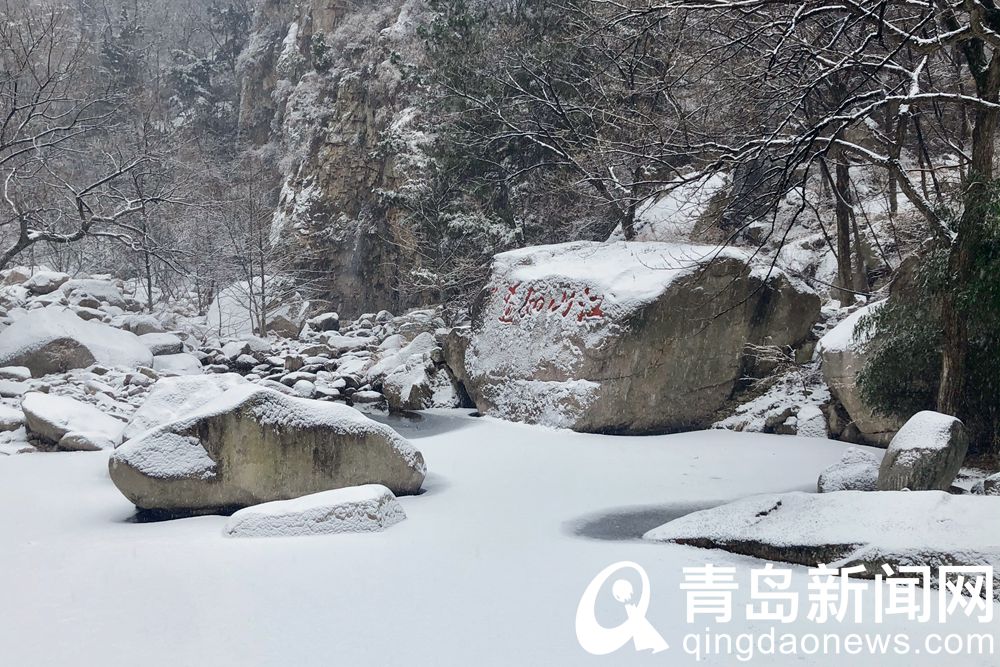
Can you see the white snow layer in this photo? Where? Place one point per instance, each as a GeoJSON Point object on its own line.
{"type": "Point", "coordinates": [673, 215]}
{"type": "Point", "coordinates": [172, 398]}
{"type": "Point", "coordinates": [487, 569]}
{"type": "Point", "coordinates": [234, 311]}
{"type": "Point", "coordinates": [628, 275]}
{"type": "Point", "coordinates": [843, 337]}
{"type": "Point", "coordinates": [177, 364]}
{"type": "Point", "coordinates": [925, 430]}
{"type": "Point", "coordinates": [355, 509]}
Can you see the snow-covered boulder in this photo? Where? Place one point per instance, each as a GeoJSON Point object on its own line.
{"type": "Point", "coordinates": [140, 324]}
{"type": "Point", "coordinates": [177, 364]}
{"type": "Point", "coordinates": [13, 388]}
{"type": "Point", "coordinates": [843, 358]}
{"type": "Point", "coordinates": [11, 419]}
{"type": "Point", "coordinates": [324, 322]}
{"type": "Point", "coordinates": [623, 337]}
{"type": "Point", "coordinates": [675, 215]}
{"type": "Point", "coordinates": [419, 384]}
{"type": "Point", "coordinates": [174, 397]}
{"type": "Point", "coordinates": [249, 345]}
{"type": "Point", "coordinates": [233, 312]}
{"type": "Point", "coordinates": [857, 470]}
{"type": "Point", "coordinates": [162, 343]}
{"type": "Point", "coordinates": [252, 445]}
{"type": "Point", "coordinates": [925, 454]}
{"type": "Point", "coordinates": [53, 340]}
{"type": "Point", "coordinates": [988, 487]}
{"type": "Point", "coordinates": [413, 376]}
{"type": "Point", "coordinates": [93, 292]}
{"type": "Point", "coordinates": [16, 275]}
{"type": "Point", "coordinates": [304, 388]}
{"type": "Point", "coordinates": [70, 424]}
{"type": "Point", "coordinates": [390, 357]}
{"type": "Point", "coordinates": [339, 344]}
{"type": "Point", "coordinates": [45, 282]}
{"type": "Point", "coordinates": [18, 373]}
{"type": "Point", "coordinates": [849, 528]}
{"type": "Point", "coordinates": [356, 509]}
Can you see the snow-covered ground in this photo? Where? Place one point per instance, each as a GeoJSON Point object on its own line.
{"type": "Point", "coordinates": [487, 569]}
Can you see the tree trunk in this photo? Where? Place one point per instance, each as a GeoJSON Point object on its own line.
{"type": "Point", "coordinates": [628, 222]}
{"type": "Point", "coordinates": [148, 268]}
{"type": "Point", "coordinates": [962, 253]}
{"type": "Point", "coordinates": [840, 183]}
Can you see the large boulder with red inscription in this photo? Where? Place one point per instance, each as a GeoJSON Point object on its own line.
{"type": "Point", "coordinates": [623, 337]}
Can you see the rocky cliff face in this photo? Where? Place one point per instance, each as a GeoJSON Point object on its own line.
{"type": "Point", "coordinates": [329, 98]}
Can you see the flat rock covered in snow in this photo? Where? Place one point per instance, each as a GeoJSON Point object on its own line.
{"type": "Point", "coordinates": [70, 424]}
{"type": "Point", "coordinates": [356, 509]}
{"type": "Point", "coordinates": [848, 528]}
{"type": "Point", "coordinates": [54, 340]}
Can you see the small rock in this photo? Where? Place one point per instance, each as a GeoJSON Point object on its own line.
{"type": "Point", "coordinates": [162, 343]}
{"type": "Point", "coordinates": [88, 313]}
{"type": "Point", "coordinates": [355, 509]}
{"type": "Point", "coordinates": [293, 363]}
{"type": "Point", "coordinates": [45, 282]}
{"type": "Point", "coordinates": [78, 441]}
{"type": "Point", "coordinates": [19, 373]}
{"type": "Point", "coordinates": [291, 378]}
{"type": "Point", "coordinates": [245, 362]}
{"type": "Point", "coordinates": [95, 387]}
{"type": "Point", "coordinates": [141, 325]}
{"type": "Point", "coordinates": [926, 454]}
{"type": "Point", "coordinates": [11, 419]}
{"type": "Point", "coordinates": [856, 471]}
{"type": "Point", "coordinates": [304, 388]}
{"type": "Point", "coordinates": [325, 322]}
{"type": "Point", "coordinates": [988, 487]}
{"type": "Point", "coordinates": [138, 379]}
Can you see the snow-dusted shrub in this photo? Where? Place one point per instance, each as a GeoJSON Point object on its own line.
{"type": "Point", "coordinates": [903, 371]}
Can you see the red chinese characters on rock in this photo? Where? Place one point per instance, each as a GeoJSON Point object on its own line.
{"type": "Point", "coordinates": [521, 300]}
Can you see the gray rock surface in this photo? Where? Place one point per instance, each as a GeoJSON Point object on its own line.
{"type": "Point", "coordinates": [628, 338]}
{"type": "Point", "coordinates": [254, 445]}
{"type": "Point", "coordinates": [926, 454]}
